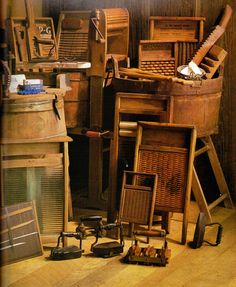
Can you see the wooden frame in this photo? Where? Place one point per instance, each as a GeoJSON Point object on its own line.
{"type": "Point", "coordinates": [19, 42]}
{"type": "Point", "coordinates": [20, 237]}
{"type": "Point", "coordinates": [50, 155]}
{"type": "Point", "coordinates": [185, 34]}
{"type": "Point", "coordinates": [174, 29]}
{"type": "Point", "coordinates": [131, 107]}
{"type": "Point", "coordinates": [158, 57]}
{"type": "Point", "coordinates": [72, 35]}
{"type": "Point", "coordinates": [168, 150]}
{"type": "Point", "coordinates": [138, 198]}
{"type": "Point", "coordinates": [204, 206]}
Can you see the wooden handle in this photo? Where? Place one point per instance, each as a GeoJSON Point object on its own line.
{"type": "Point", "coordinates": [156, 233]}
{"type": "Point", "coordinates": [214, 36]}
{"type": "Point", "coordinates": [137, 73]}
{"type": "Point", "coordinates": [207, 45]}
{"type": "Point", "coordinates": [226, 16]}
{"type": "Point", "coordinates": [29, 13]}
{"type": "Point", "coordinates": [20, 34]}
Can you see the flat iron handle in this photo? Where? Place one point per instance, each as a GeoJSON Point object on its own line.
{"type": "Point", "coordinates": [109, 226]}
{"type": "Point", "coordinates": [218, 236]}
{"type": "Point", "coordinates": [90, 218]}
{"type": "Point", "coordinates": [77, 235]}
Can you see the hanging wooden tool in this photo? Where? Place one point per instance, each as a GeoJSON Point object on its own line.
{"type": "Point", "coordinates": [20, 34]}
{"type": "Point", "coordinates": [108, 38]}
{"type": "Point", "coordinates": [213, 61]}
{"type": "Point", "coordinates": [214, 36]}
{"type": "Point", "coordinates": [41, 44]}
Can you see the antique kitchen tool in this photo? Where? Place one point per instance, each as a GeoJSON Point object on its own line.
{"type": "Point", "coordinates": [68, 252]}
{"type": "Point", "coordinates": [97, 228]}
{"type": "Point", "coordinates": [191, 70]}
{"type": "Point", "coordinates": [214, 36]}
{"type": "Point", "coordinates": [199, 233]}
{"type": "Point", "coordinates": [148, 255]}
{"type": "Point", "coordinates": [108, 37]}
{"type": "Point", "coordinates": [213, 61]}
{"type": "Point", "coordinates": [39, 39]}
{"type": "Point", "coordinates": [108, 249]}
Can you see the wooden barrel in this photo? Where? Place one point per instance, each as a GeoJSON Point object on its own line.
{"type": "Point", "coordinates": [134, 86]}
{"type": "Point", "coordinates": [193, 102]}
{"type": "Point", "coordinates": [197, 104]}
{"type": "Point", "coordinates": [33, 117]}
{"type": "Point", "coordinates": [76, 101]}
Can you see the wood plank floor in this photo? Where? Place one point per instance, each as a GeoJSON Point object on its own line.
{"type": "Point", "coordinates": [203, 267]}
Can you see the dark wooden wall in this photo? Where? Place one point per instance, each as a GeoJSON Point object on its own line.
{"type": "Point", "coordinates": [140, 10]}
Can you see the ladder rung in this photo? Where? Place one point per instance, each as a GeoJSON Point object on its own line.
{"type": "Point", "coordinates": [201, 150]}
{"type": "Point", "coordinates": [217, 201]}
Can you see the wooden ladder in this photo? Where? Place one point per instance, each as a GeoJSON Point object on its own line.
{"type": "Point", "coordinates": [220, 179]}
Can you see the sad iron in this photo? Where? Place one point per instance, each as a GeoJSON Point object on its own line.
{"type": "Point", "coordinates": [67, 252]}
{"type": "Point", "coordinates": [199, 233]}
{"type": "Point", "coordinates": [108, 249]}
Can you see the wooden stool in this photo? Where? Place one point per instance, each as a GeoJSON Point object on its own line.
{"type": "Point", "coordinates": [220, 179]}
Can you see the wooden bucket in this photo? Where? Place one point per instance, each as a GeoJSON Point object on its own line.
{"type": "Point", "coordinates": [197, 104]}
{"type": "Point", "coordinates": [33, 117]}
{"type": "Point", "coordinates": [76, 101]}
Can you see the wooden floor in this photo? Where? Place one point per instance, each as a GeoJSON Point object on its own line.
{"type": "Point", "coordinates": [206, 266]}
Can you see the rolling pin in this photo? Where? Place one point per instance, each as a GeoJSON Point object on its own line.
{"type": "Point", "coordinates": [127, 133]}
{"type": "Point", "coordinates": [128, 125]}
